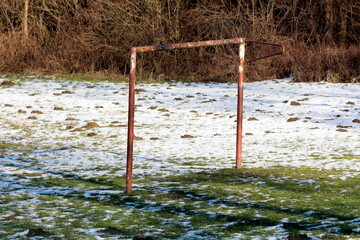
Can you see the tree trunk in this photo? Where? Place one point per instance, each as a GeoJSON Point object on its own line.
{"type": "Point", "coordinates": [343, 24]}
{"type": "Point", "coordinates": [26, 19]}
{"type": "Point", "coordinates": [329, 18]}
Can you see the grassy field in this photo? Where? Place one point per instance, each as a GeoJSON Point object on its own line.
{"type": "Point", "coordinates": [60, 179]}
{"type": "Point", "coordinates": [225, 204]}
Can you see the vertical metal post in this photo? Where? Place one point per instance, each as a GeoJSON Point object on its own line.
{"type": "Point", "coordinates": [130, 140]}
{"type": "Point", "coordinates": [240, 104]}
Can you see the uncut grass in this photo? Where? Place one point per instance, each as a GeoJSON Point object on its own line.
{"type": "Point", "coordinates": [217, 204]}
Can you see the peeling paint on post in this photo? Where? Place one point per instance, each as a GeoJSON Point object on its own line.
{"type": "Point", "coordinates": [240, 105]}
{"type": "Point", "coordinates": [134, 50]}
{"type": "Point", "coordinates": [131, 116]}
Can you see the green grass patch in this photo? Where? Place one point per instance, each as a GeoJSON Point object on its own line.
{"type": "Point", "coordinates": [254, 202]}
{"type": "Point", "coordinates": [6, 147]}
{"type": "Point", "coordinates": [80, 77]}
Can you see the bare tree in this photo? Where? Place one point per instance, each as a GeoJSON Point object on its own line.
{"type": "Point", "coordinates": [26, 20]}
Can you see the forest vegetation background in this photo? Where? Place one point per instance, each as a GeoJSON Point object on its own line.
{"type": "Point", "coordinates": [90, 36]}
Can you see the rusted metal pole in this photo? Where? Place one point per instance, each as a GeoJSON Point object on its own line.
{"type": "Point", "coordinates": [189, 45]}
{"type": "Point", "coordinates": [240, 105]}
{"type": "Point", "coordinates": [131, 114]}
{"type": "Point", "coordinates": [134, 50]}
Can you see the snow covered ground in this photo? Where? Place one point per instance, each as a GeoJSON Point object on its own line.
{"type": "Point", "coordinates": [180, 127]}
{"type": "Point", "coordinates": [285, 123]}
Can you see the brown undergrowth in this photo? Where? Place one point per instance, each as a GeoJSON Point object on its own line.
{"type": "Point", "coordinates": [66, 36]}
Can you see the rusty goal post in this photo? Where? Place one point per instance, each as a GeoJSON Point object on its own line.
{"type": "Point", "coordinates": [240, 79]}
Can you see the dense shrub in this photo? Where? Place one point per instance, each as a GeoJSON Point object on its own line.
{"type": "Point", "coordinates": [321, 37]}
